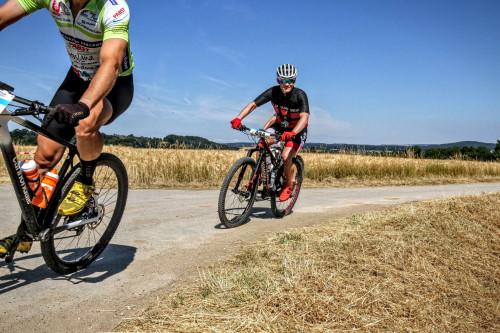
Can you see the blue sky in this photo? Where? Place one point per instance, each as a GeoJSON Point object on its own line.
{"type": "Point", "coordinates": [376, 72]}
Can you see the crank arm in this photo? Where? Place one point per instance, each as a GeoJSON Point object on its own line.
{"type": "Point", "coordinates": [68, 226]}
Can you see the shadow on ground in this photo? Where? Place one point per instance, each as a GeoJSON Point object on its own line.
{"type": "Point", "coordinates": [113, 260]}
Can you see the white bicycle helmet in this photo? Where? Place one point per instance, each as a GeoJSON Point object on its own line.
{"type": "Point", "coordinates": [286, 71]}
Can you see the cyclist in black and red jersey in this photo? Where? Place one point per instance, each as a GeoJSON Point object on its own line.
{"type": "Point", "coordinates": [290, 120]}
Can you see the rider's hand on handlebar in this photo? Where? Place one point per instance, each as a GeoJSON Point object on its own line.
{"type": "Point", "coordinates": [69, 113]}
{"type": "Point", "coordinates": [287, 136]}
{"type": "Point", "coordinates": [236, 123]}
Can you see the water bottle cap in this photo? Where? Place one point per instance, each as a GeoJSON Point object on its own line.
{"type": "Point", "coordinates": [51, 174]}
{"type": "Point", "coordinates": [28, 165]}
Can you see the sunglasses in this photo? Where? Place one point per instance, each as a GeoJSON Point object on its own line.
{"type": "Point", "coordinates": [283, 81]}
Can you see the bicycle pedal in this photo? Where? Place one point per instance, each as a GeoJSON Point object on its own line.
{"type": "Point", "coordinates": [9, 258]}
{"type": "Point", "coordinates": [265, 194]}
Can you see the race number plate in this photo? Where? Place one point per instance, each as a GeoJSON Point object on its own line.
{"type": "Point", "coordinates": [5, 99]}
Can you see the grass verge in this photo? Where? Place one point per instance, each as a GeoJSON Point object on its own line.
{"type": "Point", "coordinates": [427, 267]}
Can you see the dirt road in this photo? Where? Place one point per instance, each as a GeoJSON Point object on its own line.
{"type": "Point", "coordinates": [165, 236]}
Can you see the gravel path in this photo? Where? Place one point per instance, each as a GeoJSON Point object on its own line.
{"type": "Point", "coordinates": [165, 236]}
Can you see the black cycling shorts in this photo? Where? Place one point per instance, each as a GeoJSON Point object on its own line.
{"type": "Point", "coordinates": [297, 142]}
{"type": "Point", "coordinates": [72, 89]}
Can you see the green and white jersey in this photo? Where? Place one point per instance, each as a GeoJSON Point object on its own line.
{"type": "Point", "coordinates": [97, 21]}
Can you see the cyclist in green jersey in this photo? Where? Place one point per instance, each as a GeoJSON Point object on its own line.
{"type": "Point", "coordinates": [97, 88]}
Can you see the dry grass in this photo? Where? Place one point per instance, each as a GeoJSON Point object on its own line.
{"type": "Point", "coordinates": [205, 169]}
{"type": "Point", "coordinates": [356, 170]}
{"type": "Point", "coordinates": [429, 267]}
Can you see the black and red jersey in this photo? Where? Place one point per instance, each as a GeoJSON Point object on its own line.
{"type": "Point", "coordinates": [288, 107]}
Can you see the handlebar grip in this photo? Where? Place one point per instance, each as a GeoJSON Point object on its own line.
{"type": "Point", "coordinates": [47, 109]}
{"type": "Point", "coordinates": [22, 100]}
{"type": "Point", "coordinates": [5, 86]}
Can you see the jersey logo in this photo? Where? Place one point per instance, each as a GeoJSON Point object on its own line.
{"type": "Point", "coordinates": [119, 13]}
{"type": "Point", "coordinates": [92, 17]}
{"type": "Point", "coordinates": [281, 110]}
{"type": "Point", "coordinates": [56, 7]}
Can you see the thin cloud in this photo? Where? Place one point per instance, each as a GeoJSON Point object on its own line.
{"type": "Point", "coordinates": [237, 58]}
{"type": "Point", "coordinates": [187, 100]}
{"type": "Point", "coordinates": [217, 81]}
{"type": "Point", "coordinates": [325, 124]}
{"type": "Point", "coordinates": [239, 9]}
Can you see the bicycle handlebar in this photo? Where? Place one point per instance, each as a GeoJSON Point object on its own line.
{"type": "Point", "coordinates": [34, 107]}
{"type": "Point", "coordinates": [257, 132]}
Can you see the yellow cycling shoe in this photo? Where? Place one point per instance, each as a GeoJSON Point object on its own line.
{"type": "Point", "coordinates": [76, 199]}
{"type": "Point", "coordinates": [24, 246]}
{"type": "Point", "coordinates": [6, 243]}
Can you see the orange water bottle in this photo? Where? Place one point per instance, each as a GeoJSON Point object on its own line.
{"type": "Point", "coordinates": [49, 183]}
{"type": "Point", "coordinates": [30, 171]}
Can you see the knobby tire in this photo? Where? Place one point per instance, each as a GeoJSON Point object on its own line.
{"type": "Point", "coordinates": [235, 200]}
{"type": "Point", "coordinates": [72, 250]}
{"type": "Point", "coordinates": [283, 208]}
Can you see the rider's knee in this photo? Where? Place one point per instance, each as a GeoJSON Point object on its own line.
{"type": "Point", "coordinates": [86, 129]}
{"type": "Point", "coordinates": [288, 155]}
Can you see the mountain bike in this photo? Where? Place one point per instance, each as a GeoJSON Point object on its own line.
{"type": "Point", "coordinates": [68, 243]}
{"type": "Point", "coordinates": [263, 168]}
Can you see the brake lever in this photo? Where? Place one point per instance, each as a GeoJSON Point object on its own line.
{"type": "Point", "coordinates": [48, 118]}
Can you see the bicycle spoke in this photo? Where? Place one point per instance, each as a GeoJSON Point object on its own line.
{"type": "Point", "coordinates": [76, 248]}
{"type": "Point", "coordinates": [237, 193]}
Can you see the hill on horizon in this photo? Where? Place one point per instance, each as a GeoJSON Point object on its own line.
{"type": "Point", "coordinates": [385, 147]}
{"type": "Point", "coordinates": [26, 137]}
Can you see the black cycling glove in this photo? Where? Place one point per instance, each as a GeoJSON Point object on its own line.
{"type": "Point", "coordinates": [69, 113]}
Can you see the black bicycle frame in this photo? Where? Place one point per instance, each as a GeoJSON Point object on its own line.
{"type": "Point", "coordinates": [21, 190]}
{"type": "Point", "coordinates": [264, 151]}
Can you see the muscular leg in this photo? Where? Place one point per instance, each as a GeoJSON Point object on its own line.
{"type": "Point", "coordinates": [290, 170]}
{"type": "Point", "coordinates": [47, 154]}
{"type": "Point", "coordinates": [89, 140]}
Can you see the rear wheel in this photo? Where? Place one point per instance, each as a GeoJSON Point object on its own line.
{"type": "Point", "coordinates": [73, 249]}
{"type": "Point", "coordinates": [283, 208]}
{"type": "Point", "coordinates": [237, 193]}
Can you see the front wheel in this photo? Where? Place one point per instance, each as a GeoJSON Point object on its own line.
{"type": "Point", "coordinates": [283, 208]}
{"type": "Point", "coordinates": [237, 193]}
{"type": "Point", "coordinates": [70, 250]}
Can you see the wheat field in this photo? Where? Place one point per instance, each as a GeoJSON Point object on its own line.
{"type": "Point", "coordinates": [205, 169]}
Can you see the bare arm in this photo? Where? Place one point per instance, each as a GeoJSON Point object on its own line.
{"type": "Point", "coordinates": [304, 118]}
{"type": "Point", "coordinates": [269, 123]}
{"type": "Point", "coordinates": [247, 109]}
{"type": "Point", "coordinates": [111, 56]}
{"type": "Point", "coordinates": [11, 12]}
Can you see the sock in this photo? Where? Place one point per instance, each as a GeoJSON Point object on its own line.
{"type": "Point", "coordinates": [87, 171]}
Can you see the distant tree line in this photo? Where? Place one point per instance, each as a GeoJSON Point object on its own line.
{"type": "Point", "coordinates": [481, 153]}
{"type": "Point", "coordinates": [465, 152]}
{"type": "Point", "coordinates": [24, 137]}
{"type": "Point", "coordinates": [28, 138]}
